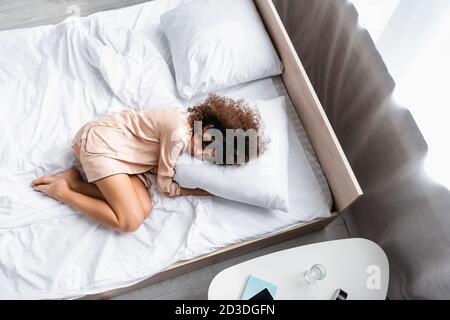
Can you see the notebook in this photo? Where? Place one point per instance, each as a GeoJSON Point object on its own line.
{"type": "Point", "coordinates": [255, 285]}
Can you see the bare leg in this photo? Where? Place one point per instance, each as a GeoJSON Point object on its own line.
{"type": "Point", "coordinates": [73, 178]}
{"type": "Point", "coordinates": [88, 189]}
{"type": "Point", "coordinates": [91, 189]}
{"type": "Point", "coordinates": [143, 194]}
{"type": "Point", "coordinates": [122, 208]}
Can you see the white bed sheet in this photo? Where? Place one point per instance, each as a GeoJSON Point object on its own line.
{"type": "Point", "coordinates": [48, 250]}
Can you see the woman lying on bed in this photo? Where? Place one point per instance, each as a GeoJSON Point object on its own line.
{"type": "Point", "coordinates": [116, 150]}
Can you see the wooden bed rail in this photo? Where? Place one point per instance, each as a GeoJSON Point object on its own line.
{"type": "Point", "coordinates": [344, 186]}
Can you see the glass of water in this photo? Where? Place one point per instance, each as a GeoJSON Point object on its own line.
{"type": "Point", "coordinates": [317, 272]}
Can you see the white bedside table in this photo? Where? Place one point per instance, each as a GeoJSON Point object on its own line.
{"type": "Point", "coordinates": [357, 266]}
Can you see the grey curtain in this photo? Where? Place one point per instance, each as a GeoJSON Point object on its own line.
{"type": "Point", "coordinates": [404, 211]}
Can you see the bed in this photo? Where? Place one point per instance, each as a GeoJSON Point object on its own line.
{"type": "Point", "coordinates": [48, 250]}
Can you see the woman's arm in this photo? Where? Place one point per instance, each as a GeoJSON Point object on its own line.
{"type": "Point", "coordinates": [193, 192]}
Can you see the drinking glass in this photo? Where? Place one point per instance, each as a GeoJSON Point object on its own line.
{"type": "Point", "coordinates": [317, 272]}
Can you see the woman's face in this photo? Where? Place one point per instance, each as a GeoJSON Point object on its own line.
{"type": "Point", "coordinates": [196, 145]}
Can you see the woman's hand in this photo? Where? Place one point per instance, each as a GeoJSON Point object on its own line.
{"type": "Point", "coordinates": [193, 192]}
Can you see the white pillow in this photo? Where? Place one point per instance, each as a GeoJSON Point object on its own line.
{"type": "Point", "coordinates": [217, 44]}
{"type": "Point", "coordinates": [132, 67]}
{"type": "Point", "coordinates": [262, 182]}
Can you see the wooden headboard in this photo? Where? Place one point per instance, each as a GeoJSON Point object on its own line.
{"type": "Point", "coordinates": [341, 179]}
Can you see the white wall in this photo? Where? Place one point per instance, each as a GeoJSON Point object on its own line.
{"type": "Point", "coordinates": [413, 37]}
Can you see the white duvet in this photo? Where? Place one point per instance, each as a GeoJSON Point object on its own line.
{"type": "Point", "coordinates": [53, 79]}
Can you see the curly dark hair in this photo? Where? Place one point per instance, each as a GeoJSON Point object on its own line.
{"type": "Point", "coordinates": [222, 113]}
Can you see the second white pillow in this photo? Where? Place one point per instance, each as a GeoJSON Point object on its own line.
{"type": "Point", "coordinates": [217, 44]}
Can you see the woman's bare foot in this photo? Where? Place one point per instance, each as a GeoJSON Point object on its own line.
{"type": "Point", "coordinates": [56, 189]}
{"type": "Point", "coordinates": [71, 176]}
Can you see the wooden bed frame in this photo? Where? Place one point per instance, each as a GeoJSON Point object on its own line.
{"type": "Point", "coordinates": [342, 182]}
